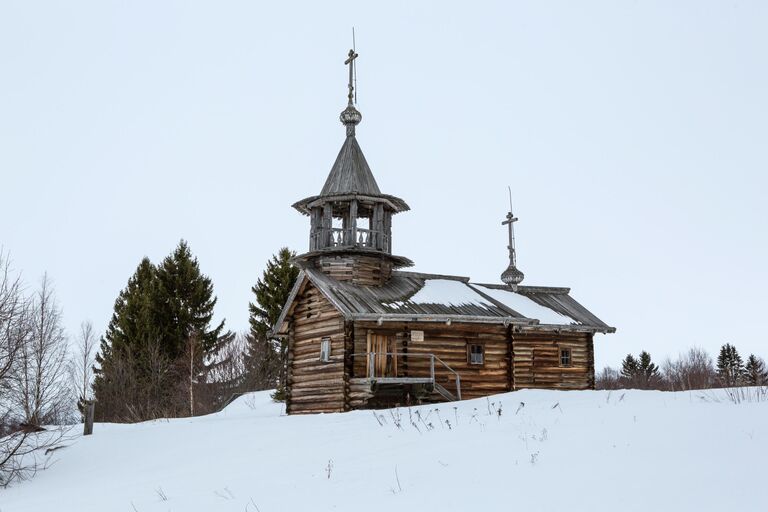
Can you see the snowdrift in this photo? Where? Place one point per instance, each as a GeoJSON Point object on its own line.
{"type": "Point", "coordinates": [526, 450]}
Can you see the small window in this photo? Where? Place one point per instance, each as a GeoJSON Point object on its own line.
{"type": "Point", "coordinates": [476, 354]}
{"type": "Point", "coordinates": [325, 350]}
{"type": "Point", "coordinates": [565, 357]}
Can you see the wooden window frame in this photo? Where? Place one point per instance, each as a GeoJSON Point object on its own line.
{"type": "Point", "coordinates": [469, 354]}
{"type": "Point", "coordinates": [560, 352]}
{"type": "Point", "coordinates": [325, 349]}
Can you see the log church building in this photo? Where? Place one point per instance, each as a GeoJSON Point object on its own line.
{"type": "Point", "coordinates": [363, 333]}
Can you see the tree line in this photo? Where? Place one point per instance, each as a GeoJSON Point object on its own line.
{"type": "Point", "coordinates": [694, 369]}
{"type": "Point", "coordinates": [162, 354]}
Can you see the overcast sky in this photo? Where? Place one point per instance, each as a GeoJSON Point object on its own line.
{"type": "Point", "coordinates": [633, 134]}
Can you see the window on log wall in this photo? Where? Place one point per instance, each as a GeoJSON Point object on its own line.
{"type": "Point", "coordinates": [565, 357]}
{"type": "Point", "coordinates": [476, 354]}
{"type": "Point", "coordinates": [325, 350]}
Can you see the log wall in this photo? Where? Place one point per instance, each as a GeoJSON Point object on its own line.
{"type": "Point", "coordinates": [314, 385]}
{"type": "Point", "coordinates": [449, 343]}
{"type": "Point", "coordinates": [362, 270]}
{"type": "Point", "coordinates": [537, 361]}
{"type": "Point", "coordinates": [511, 360]}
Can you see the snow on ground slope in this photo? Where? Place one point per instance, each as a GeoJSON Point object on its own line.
{"type": "Point", "coordinates": [586, 450]}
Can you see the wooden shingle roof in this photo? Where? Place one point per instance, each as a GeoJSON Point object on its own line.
{"type": "Point", "coordinates": [350, 173]}
{"type": "Point", "coordinates": [351, 177]}
{"type": "Point", "coordinates": [412, 296]}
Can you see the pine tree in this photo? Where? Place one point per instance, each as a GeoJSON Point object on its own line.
{"type": "Point", "coordinates": [265, 357]}
{"type": "Point", "coordinates": [755, 372]}
{"type": "Point", "coordinates": [730, 367]}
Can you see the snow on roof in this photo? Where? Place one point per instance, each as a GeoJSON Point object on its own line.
{"type": "Point", "coordinates": [526, 306]}
{"type": "Point", "coordinates": [449, 292]}
{"type": "Point", "coordinates": [418, 295]}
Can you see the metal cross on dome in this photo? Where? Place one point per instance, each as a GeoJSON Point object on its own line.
{"type": "Point", "coordinates": [512, 276]}
{"type": "Point", "coordinates": [351, 56]}
{"type": "Point", "coordinates": [511, 219]}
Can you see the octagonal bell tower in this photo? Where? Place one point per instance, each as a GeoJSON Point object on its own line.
{"type": "Point", "coordinates": [350, 235]}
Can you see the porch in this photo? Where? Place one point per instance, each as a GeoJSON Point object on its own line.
{"type": "Point", "coordinates": [387, 374]}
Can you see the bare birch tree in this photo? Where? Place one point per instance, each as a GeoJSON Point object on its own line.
{"type": "Point", "coordinates": [81, 364]}
{"type": "Point", "coordinates": [14, 309]}
{"type": "Point", "coordinates": [192, 361]}
{"type": "Point", "coordinates": [211, 380]}
{"type": "Point", "coordinates": [33, 387]}
{"type": "Point", "coordinates": [39, 384]}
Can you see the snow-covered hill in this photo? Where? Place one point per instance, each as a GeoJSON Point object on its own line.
{"type": "Point", "coordinates": [559, 451]}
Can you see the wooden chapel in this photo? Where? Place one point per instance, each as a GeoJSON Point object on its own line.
{"type": "Point", "coordinates": [363, 333]}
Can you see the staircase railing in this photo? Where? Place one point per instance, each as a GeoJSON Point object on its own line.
{"type": "Point", "coordinates": [456, 375]}
{"type": "Point", "coordinates": [376, 370]}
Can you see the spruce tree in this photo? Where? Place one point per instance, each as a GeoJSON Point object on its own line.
{"type": "Point", "coordinates": [265, 357]}
{"type": "Point", "coordinates": [272, 292]}
{"type": "Point", "coordinates": [647, 371]}
{"type": "Point", "coordinates": [185, 304]}
{"type": "Point", "coordinates": [131, 330]}
{"type": "Point", "coordinates": [159, 342]}
{"type": "Point", "coordinates": [755, 372]}
{"type": "Point", "coordinates": [629, 368]}
{"type": "Point", "coordinates": [134, 319]}
{"type": "Point", "coordinates": [730, 367]}
{"type": "Point", "coordinates": [640, 372]}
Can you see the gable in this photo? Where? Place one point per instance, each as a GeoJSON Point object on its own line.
{"type": "Point", "coordinates": [302, 286]}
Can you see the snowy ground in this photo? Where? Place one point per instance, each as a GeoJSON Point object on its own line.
{"type": "Point", "coordinates": [594, 451]}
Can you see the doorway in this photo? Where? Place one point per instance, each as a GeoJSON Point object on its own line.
{"type": "Point", "coordinates": [382, 359]}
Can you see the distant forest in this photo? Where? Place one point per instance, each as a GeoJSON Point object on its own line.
{"type": "Point", "coordinates": [694, 369]}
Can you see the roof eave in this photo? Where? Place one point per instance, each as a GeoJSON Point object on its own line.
{"type": "Point", "coordinates": [398, 261]}
{"type": "Point", "coordinates": [411, 317]}
{"type": "Point", "coordinates": [576, 328]}
{"type": "Point", "coordinates": [396, 204]}
{"type": "Point", "coordinates": [518, 323]}
{"type": "Point", "coordinates": [276, 330]}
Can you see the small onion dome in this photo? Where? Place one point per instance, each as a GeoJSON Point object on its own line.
{"type": "Point", "coordinates": [512, 276]}
{"type": "Point", "coordinates": [350, 116]}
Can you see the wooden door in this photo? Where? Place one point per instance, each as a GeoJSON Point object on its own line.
{"type": "Point", "coordinates": [381, 349]}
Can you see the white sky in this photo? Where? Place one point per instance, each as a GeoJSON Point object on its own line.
{"type": "Point", "coordinates": [633, 134]}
